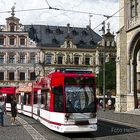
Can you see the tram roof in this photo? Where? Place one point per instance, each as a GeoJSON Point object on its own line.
{"type": "Point", "coordinates": [74, 70]}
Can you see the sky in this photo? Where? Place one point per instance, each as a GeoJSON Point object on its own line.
{"type": "Point", "coordinates": [96, 8]}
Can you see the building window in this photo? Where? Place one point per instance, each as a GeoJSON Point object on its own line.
{"type": "Point", "coordinates": [68, 44]}
{"type": "Point", "coordinates": [22, 59]}
{"type": "Point", "coordinates": [48, 59]}
{"type": "Point", "coordinates": [12, 28]}
{"type": "Point", "coordinates": [11, 59]}
{"type": "Point", "coordinates": [22, 41]}
{"type": "Point", "coordinates": [22, 76]}
{"type": "Point", "coordinates": [32, 59]}
{"type": "Point", "coordinates": [12, 41]}
{"type": "Point", "coordinates": [48, 30]}
{"type": "Point", "coordinates": [60, 58]}
{"type": "Point", "coordinates": [1, 59]}
{"type": "Point", "coordinates": [74, 32]}
{"type": "Point", "coordinates": [32, 76]}
{"type": "Point", "coordinates": [55, 41]}
{"type": "Point", "coordinates": [58, 31]}
{"type": "Point", "coordinates": [87, 61]}
{"type": "Point", "coordinates": [1, 41]}
{"type": "Point", "coordinates": [76, 60]}
{"type": "Point", "coordinates": [1, 75]}
{"type": "Point", "coordinates": [11, 75]}
{"type": "Point", "coordinates": [134, 8]}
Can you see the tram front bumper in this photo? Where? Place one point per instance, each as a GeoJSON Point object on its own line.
{"type": "Point", "coordinates": [77, 128]}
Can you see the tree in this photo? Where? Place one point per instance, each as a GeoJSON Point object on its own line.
{"type": "Point", "coordinates": [110, 76]}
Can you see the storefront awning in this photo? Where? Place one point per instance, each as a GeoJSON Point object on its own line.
{"type": "Point", "coordinates": [8, 90]}
{"type": "Point", "coordinates": [28, 88]}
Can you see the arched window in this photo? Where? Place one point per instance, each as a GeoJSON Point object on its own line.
{"type": "Point", "coordinates": [60, 59]}
{"type": "Point", "coordinates": [134, 8]}
{"type": "Point", "coordinates": [12, 28]}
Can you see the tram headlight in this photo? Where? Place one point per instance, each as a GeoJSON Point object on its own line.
{"type": "Point", "coordinates": [67, 116]}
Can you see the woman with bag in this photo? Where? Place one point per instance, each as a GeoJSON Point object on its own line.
{"type": "Point", "coordinates": [13, 110]}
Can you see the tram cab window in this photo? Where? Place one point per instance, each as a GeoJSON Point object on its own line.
{"type": "Point", "coordinates": [58, 99]}
{"type": "Point", "coordinates": [42, 100]}
{"type": "Point", "coordinates": [24, 99]}
{"type": "Point", "coordinates": [47, 100]}
{"type": "Point", "coordinates": [35, 97]}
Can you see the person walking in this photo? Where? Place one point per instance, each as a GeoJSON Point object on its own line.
{"type": "Point", "coordinates": [2, 110]}
{"type": "Point", "coordinates": [13, 110]}
{"type": "Point", "coordinates": [109, 104]}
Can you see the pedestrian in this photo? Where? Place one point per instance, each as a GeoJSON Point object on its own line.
{"type": "Point", "coordinates": [13, 110]}
{"type": "Point", "coordinates": [101, 103]}
{"type": "Point", "coordinates": [2, 110]}
{"type": "Point", "coordinates": [109, 103]}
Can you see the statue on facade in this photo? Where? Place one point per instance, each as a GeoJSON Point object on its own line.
{"type": "Point", "coordinates": [13, 10]}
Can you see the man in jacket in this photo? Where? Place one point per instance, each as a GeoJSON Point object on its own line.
{"type": "Point", "coordinates": [2, 109]}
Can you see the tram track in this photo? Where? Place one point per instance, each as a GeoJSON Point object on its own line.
{"type": "Point", "coordinates": [52, 135]}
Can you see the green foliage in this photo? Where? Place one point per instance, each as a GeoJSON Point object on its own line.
{"type": "Point", "coordinates": [110, 77]}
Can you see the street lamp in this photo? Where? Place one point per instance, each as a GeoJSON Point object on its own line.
{"type": "Point", "coordinates": [104, 57]}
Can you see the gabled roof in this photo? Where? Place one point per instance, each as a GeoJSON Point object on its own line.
{"type": "Point", "coordinates": [54, 36]}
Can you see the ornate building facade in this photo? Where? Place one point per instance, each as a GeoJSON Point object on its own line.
{"type": "Point", "coordinates": [33, 50]}
{"type": "Point", "coordinates": [128, 56]}
{"type": "Point", "coordinates": [65, 46]}
{"type": "Point", "coordinates": [18, 54]}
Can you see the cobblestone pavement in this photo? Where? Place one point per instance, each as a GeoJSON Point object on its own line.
{"type": "Point", "coordinates": [108, 128]}
{"type": "Point", "coordinates": [13, 132]}
{"type": "Point", "coordinates": [128, 118]}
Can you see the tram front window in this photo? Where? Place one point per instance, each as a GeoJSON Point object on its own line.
{"type": "Point", "coordinates": [80, 99]}
{"type": "Point", "coordinates": [58, 99]}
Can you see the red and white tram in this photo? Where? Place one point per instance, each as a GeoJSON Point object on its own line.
{"type": "Point", "coordinates": [64, 100]}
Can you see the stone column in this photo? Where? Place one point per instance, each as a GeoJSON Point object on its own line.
{"type": "Point", "coordinates": [27, 78]}
{"type": "Point", "coordinates": [5, 75]}
{"type": "Point", "coordinates": [6, 57]}
{"type": "Point", "coordinates": [132, 78]}
{"type": "Point", "coordinates": [17, 74]}
{"type": "Point", "coordinates": [121, 73]}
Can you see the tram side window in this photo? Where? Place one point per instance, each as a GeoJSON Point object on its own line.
{"type": "Point", "coordinates": [35, 98]}
{"type": "Point", "coordinates": [24, 99]}
{"type": "Point", "coordinates": [29, 99]}
{"type": "Point", "coordinates": [42, 101]}
{"type": "Point", "coordinates": [47, 100]}
{"type": "Point", "coordinates": [58, 99]}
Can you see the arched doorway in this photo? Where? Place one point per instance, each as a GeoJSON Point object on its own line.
{"type": "Point", "coordinates": [134, 64]}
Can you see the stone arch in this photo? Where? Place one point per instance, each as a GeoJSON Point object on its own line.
{"type": "Point", "coordinates": [133, 43]}
{"type": "Point", "coordinates": [133, 51]}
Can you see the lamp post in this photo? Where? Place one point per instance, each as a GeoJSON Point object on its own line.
{"type": "Point", "coordinates": [104, 79]}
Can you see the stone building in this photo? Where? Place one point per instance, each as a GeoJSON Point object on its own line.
{"type": "Point", "coordinates": [128, 56]}
{"type": "Point", "coordinates": [18, 54]}
{"type": "Point", "coordinates": [33, 50]}
{"type": "Point", "coordinates": [65, 46]}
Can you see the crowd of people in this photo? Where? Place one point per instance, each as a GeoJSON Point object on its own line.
{"type": "Point", "coordinates": [109, 105]}
{"type": "Point", "coordinates": [3, 110]}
